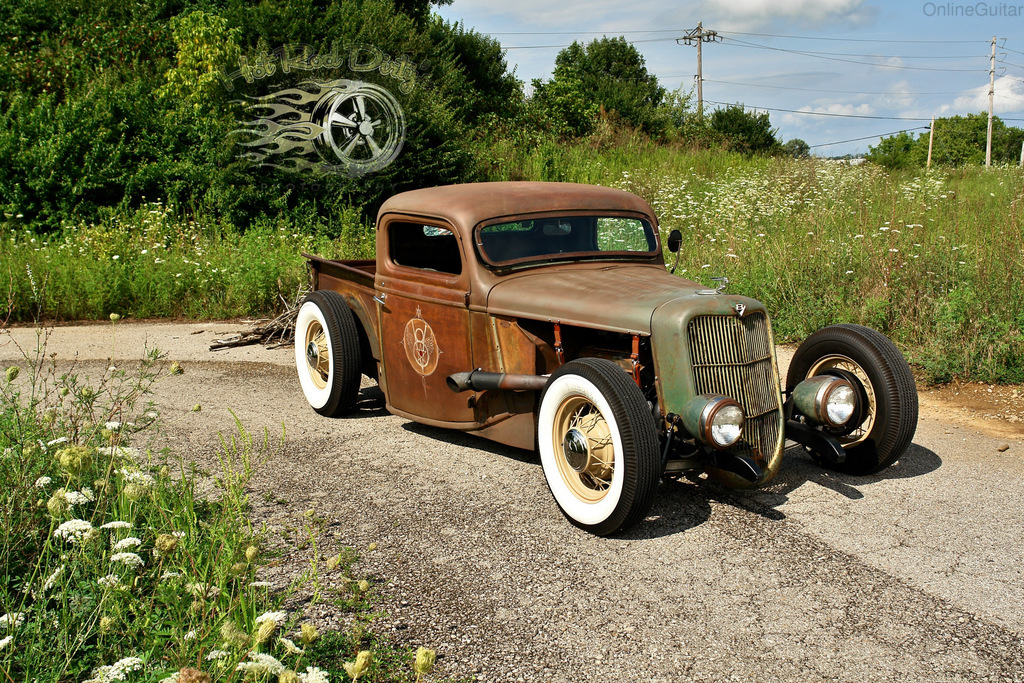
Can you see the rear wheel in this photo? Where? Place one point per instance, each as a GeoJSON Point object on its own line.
{"type": "Point", "coordinates": [327, 353]}
{"type": "Point", "coordinates": [884, 425]}
{"type": "Point", "coordinates": [598, 445]}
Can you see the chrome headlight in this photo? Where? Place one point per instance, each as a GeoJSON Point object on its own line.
{"type": "Point", "coordinates": [826, 400]}
{"type": "Point", "coordinates": [714, 420]}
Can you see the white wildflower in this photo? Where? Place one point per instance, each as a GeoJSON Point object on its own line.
{"type": "Point", "coordinates": [117, 525]}
{"type": "Point", "coordinates": [73, 530]}
{"type": "Point", "coordinates": [136, 477]}
{"type": "Point", "coordinates": [43, 481]}
{"type": "Point", "coordinates": [170, 575]}
{"type": "Point", "coordinates": [215, 655]}
{"type": "Point", "coordinates": [173, 678]}
{"type": "Point", "coordinates": [109, 581]}
{"type": "Point", "coordinates": [115, 671]}
{"type": "Point", "coordinates": [12, 620]}
{"type": "Point", "coordinates": [191, 635]}
{"type": "Point", "coordinates": [112, 425]}
{"type": "Point", "coordinates": [261, 663]}
{"type": "Point", "coordinates": [52, 578]}
{"type": "Point", "coordinates": [79, 497]}
{"type": "Point", "coordinates": [129, 559]}
{"type": "Point", "coordinates": [276, 617]}
{"type": "Point", "coordinates": [314, 674]}
{"type": "Point", "coordinates": [4, 642]}
{"type": "Point", "coordinates": [291, 647]}
{"type": "Point", "coordinates": [127, 543]}
{"type": "Point", "coordinates": [178, 534]}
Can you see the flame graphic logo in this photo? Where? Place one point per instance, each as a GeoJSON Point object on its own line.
{"type": "Point", "coordinates": [340, 126]}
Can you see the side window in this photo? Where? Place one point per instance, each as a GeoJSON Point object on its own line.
{"type": "Point", "coordinates": [427, 247]}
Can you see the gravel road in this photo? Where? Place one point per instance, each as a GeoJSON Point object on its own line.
{"type": "Point", "coordinates": [911, 574]}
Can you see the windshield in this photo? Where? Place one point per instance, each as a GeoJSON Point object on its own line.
{"type": "Point", "coordinates": [542, 239]}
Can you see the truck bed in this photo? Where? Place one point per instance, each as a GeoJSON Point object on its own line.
{"type": "Point", "coordinates": [359, 272]}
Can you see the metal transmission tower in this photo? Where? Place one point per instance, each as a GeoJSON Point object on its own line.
{"type": "Point", "coordinates": [699, 36]}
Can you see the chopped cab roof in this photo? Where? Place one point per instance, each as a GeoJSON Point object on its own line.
{"type": "Point", "coordinates": [465, 206]}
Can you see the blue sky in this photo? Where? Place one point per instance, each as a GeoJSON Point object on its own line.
{"type": "Point", "coordinates": [894, 64]}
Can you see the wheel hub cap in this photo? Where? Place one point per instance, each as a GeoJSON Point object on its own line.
{"type": "Point", "coordinates": [576, 451]}
{"type": "Point", "coordinates": [312, 357]}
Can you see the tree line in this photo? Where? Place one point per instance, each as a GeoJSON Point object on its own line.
{"type": "Point", "coordinates": [110, 104]}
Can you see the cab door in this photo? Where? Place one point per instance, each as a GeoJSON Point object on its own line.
{"type": "Point", "coordinates": [422, 300]}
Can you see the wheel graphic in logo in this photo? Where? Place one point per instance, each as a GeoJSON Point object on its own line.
{"type": "Point", "coordinates": [363, 128]}
{"type": "Point", "coordinates": [420, 345]}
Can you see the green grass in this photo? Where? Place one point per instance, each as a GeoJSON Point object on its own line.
{"type": "Point", "coordinates": [114, 567]}
{"type": "Point", "coordinates": [934, 260]}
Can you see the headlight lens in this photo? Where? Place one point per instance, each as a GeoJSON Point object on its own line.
{"type": "Point", "coordinates": [842, 401]}
{"type": "Point", "coordinates": [714, 420]}
{"type": "Point", "coordinates": [727, 425]}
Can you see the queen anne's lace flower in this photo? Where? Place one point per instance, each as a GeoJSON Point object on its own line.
{"type": "Point", "coordinates": [115, 671]}
{"type": "Point", "coordinates": [117, 525]}
{"type": "Point", "coordinates": [43, 481]}
{"type": "Point", "coordinates": [12, 620]}
{"type": "Point", "coordinates": [4, 642]}
{"type": "Point", "coordinates": [314, 675]}
{"type": "Point", "coordinates": [127, 543]}
{"type": "Point", "coordinates": [261, 663]}
{"type": "Point", "coordinates": [73, 530]}
{"type": "Point", "coordinates": [276, 617]}
{"type": "Point", "coordinates": [215, 655]}
{"type": "Point", "coordinates": [109, 581]}
{"type": "Point", "coordinates": [129, 559]}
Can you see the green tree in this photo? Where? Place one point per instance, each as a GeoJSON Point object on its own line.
{"type": "Point", "coordinates": [958, 141]}
{"type": "Point", "coordinates": [745, 131]}
{"type": "Point", "coordinates": [606, 73]}
{"type": "Point", "coordinates": [796, 148]}
{"type": "Point", "coordinates": [895, 151]}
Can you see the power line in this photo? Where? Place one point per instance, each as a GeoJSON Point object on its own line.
{"type": "Point", "coordinates": [580, 33]}
{"type": "Point", "coordinates": [537, 47]}
{"type": "Point", "coordinates": [868, 137]}
{"type": "Point", "coordinates": [822, 113]}
{"type": "Point", "coordinates": [850, 40]}
{"type": "Point", "coordinates": [743, 43]}
{"type": "Point", "coordinates": [842, 92]}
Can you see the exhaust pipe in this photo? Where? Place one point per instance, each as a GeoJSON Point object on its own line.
{"type": "Point", "coordinates": [476, 380]}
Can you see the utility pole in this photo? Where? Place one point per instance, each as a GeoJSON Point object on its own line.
{"type": "Point", "coordinates": [699, 36]}
{"type": "Point", "coordinates": [991, 96]}
{"type": "Point", "coordinates": [931, 137]}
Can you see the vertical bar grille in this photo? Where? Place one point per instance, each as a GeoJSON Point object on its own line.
{"type": "Point", "coordinates": [732, 356]}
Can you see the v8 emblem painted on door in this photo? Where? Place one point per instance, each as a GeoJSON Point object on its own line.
{"type": "Point", "coordinates": [420, 345]}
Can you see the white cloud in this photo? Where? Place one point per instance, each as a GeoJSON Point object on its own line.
{"type": "Point", "coordinates": [1009, 98]}
{"type": "Point", "coordinates": [759, 14]}
{"type": "Point", "coordinates": [862, 109]}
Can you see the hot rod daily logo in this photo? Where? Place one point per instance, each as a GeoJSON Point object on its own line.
{"type": "Point", "coordinates": [322, 122]}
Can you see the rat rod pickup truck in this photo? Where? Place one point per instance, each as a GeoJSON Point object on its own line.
{"type": "Point", "coordinates": [541, 315]}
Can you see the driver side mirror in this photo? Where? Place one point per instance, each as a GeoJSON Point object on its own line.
{"type": "Point", "coordinates": [675, 240]}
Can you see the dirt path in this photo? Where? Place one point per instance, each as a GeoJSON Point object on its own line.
{"type": "Point", "coordinates": [912, 574]}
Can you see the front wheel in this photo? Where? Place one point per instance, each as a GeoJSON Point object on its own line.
{"type": "Point", "coordinates": [884, 426]}
{"type": "Point", "coordinates": [598, 445]}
